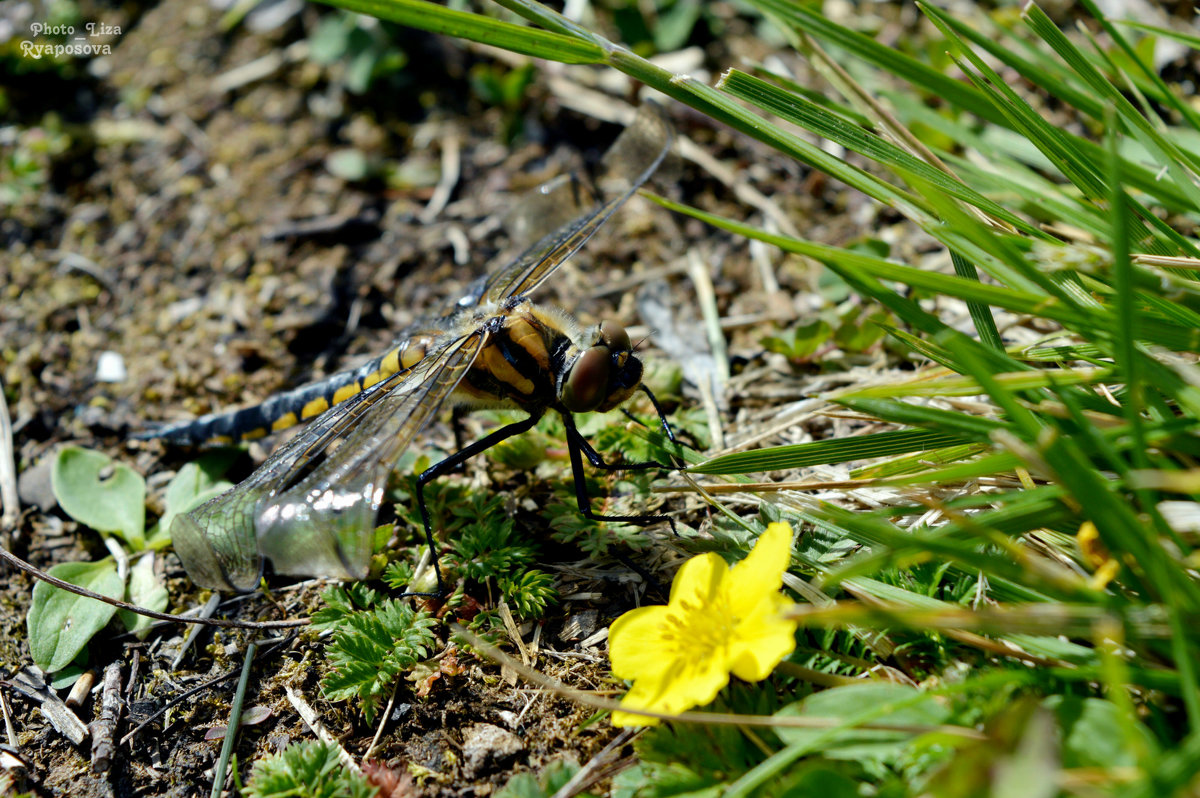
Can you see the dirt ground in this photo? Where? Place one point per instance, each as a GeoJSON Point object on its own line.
{"type": "Point", "coordinates": [192, 223]}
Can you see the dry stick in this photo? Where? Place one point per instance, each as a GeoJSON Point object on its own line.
{"type": "Point", "coordinates": [310, 718]}
{"type": "Point", "coordinates": [175, 702]}
{"type": "Point", "coordinates": [712, 718]}
{"type": "Point", "coordinates": [383, 719]}
{"type": "Point", "coordinates": [592, 771]}
{"type": "Point", "coordinates": [29, 683]}
{"type": "Point", "coordinates": [193, 632]}
{"type": "Point", "coordinates": [104, 727]}
{"type": "Point", "coordinates": [267, 645]}
{"type": "Point", "coordinates": [10, 731]}
{"type": "Point", "coordinates": [8, 471]}
{"type": "Point", "coordinates": [451, 169]}
{"type": "Point", "coordinates": [20, 564]}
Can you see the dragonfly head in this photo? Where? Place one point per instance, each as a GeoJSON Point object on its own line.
{"type": "Point", "coordinates": [603, 375]}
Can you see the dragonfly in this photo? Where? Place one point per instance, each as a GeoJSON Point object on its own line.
{"type": "Point", "coordinates": [311, 507]}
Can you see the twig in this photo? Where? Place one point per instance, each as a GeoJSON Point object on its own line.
{"type": "Point", "coordinates": [20, 564]}
{"type": "Point", "coordinates": [383, 719]}
{"type": "Point", "coordinates": [175, 702]}
{"type": "Point", "coordinates": [206, 611]}
{"type": "Point", "coordinates": [8, 471]}
{"type": "Point", "coordinates": [309, 716]}
{"type": "Point", "coordinates": [591, 771]}
{"type": "Point", "coordinates": [30, 684]}
{"type": "Point", "coordinates": [10, 731]}
{"type": "Point", "coordinates": [451, 169]}
{"type": "Point", "coordinates": [81, 689]}
{"type": "Point", "coordinates": [104, 727]}
{"type": "Point", "coordinates": [711, 718]}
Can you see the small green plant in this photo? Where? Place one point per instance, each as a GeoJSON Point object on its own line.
{"type": "Point", "coordinates": [373, 643]}
{"type": "Point", "coordinates": [110, 498]}
{"type": "Point", "coordinates": [553, 779]}
{"type": "Point", "coordinates": [364, 49]}
{"type": "Point", "coordinates": [490, 548]}
{"type": "Point", "coordinates": [308, 769]}
{"type": "Point", "coordinates": [801, 342]}
{"type": "Point", "coordinates": [529, 593]}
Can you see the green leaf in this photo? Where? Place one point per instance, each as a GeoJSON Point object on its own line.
{"type": "Point", "coordinates": [551, 780]}
{"type": "Point", "coordinates": [191, 487]}
{"type": "Point", "coordinates": [801, 342]}
{"type": "Point", "coordinates": [60, 624]}
{"type": "Point", "coordinates": [888, 704]}
{"type": "Point", "coordinates": [1094, 735]}
{"type": "Point", "coordinates": [113, 503]}
{"type": "Point", "coordinates": [145, 590]}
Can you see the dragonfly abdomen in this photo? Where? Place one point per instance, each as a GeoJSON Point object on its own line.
{"type": "Point", "coordinates": [289, 408]}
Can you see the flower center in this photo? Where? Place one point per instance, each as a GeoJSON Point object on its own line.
{"type": "Point", "coordinates": [699, 631]}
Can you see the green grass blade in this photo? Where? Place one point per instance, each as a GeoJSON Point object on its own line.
{"type": "Point", "coordinates": [809, 115]}
{"type": "Point", "coordinates": [902, 66]}
{"type": "Point", "coordinates": [881, 444]}
{"type": "Point", "coordinates": [477, 28]}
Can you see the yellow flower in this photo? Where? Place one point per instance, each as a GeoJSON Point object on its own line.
{"type": "Point", "coordinates": [719, 620]}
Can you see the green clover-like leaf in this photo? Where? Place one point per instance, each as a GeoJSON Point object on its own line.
{"type": "Point", "coordinates": [60, 624]}
{"type": "Point", "coordinates": [115, 503]}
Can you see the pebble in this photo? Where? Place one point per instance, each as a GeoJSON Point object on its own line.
{"type": "Point", "coordinates": [486, 747]}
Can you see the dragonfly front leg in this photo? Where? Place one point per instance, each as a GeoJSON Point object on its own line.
{"type": "Point", "coordinates": [578, 447]}
{"type": "Point", "coordinates": [456, 461]}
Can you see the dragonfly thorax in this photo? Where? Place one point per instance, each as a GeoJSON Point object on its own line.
{"type": "Point", "coordinates": [536, 357]}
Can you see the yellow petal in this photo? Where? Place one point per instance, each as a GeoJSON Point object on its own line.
{"type": "Point", "coordinates": [698, 583]}
{"type": "Point", "coordinates": [692, 683]}
{"type": "Point", "coordinates": [762, 640]}
{"type": "Point", "coordinates": [761, 573]}
{"type": "Point", "coordinates": [636, 645]}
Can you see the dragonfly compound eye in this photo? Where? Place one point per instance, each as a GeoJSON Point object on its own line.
{"type": "Point", "coordinates": [613, 336]}
{"type": "Point", "coordinates": [587, 384]}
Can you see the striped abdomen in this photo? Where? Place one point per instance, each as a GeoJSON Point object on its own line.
{"type": "Point", "coordinates": [287, 409]}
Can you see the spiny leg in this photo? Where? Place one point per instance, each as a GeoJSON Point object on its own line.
{"type": "Point", "coordinates": [452, 462]}
{"type": "Point", "coordinates": [577, 447]}
{"type": "Point", "coordinates": [662, 422]}
{"type": "Point", "coordinates": [576, 444]}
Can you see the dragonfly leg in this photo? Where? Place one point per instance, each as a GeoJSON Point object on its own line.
{"type": "Point", "coordinates": [662, 422]}
{"type": "Point", "coordinates": [456, 423]}
{"type": "Point", "coordinates": [598, 462]}
{"type": "Point", "coordinates": [662, 417]}
{"type": "Point", "coordinates": [578, 447]}
{"type": "Point", "coordinates": [456, 461]}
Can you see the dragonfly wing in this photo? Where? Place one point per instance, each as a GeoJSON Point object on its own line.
{"type": "Point", "coordinates": [217, 541]}
{"type": "Point", "coordinates": [630, 162]}
{"type": "Point", "coordinates": [323, 525]}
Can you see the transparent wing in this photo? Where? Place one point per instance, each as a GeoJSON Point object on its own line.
{"type": "Point", "coordinates": [323, 525]}
{"type": "Point", "coordinates": [630, 162]}
{"type": "Point", "coordinates": [221, 542]}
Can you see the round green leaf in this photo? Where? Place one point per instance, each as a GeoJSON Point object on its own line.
{"type": "Point", "coordinates": [115, 503]}
{"type": "Point", "coordinates": [60, 624]}
{"type": "Point", "coordinates": [195, 484]}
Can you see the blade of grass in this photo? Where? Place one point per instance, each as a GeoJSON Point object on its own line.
{"type": "Point", "coordinates": [477, 28]}
{"type": "Point", "coordinates": [881, 444]}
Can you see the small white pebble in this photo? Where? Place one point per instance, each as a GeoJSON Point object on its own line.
{"type": "Point", "coordinates": [110, 367]}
